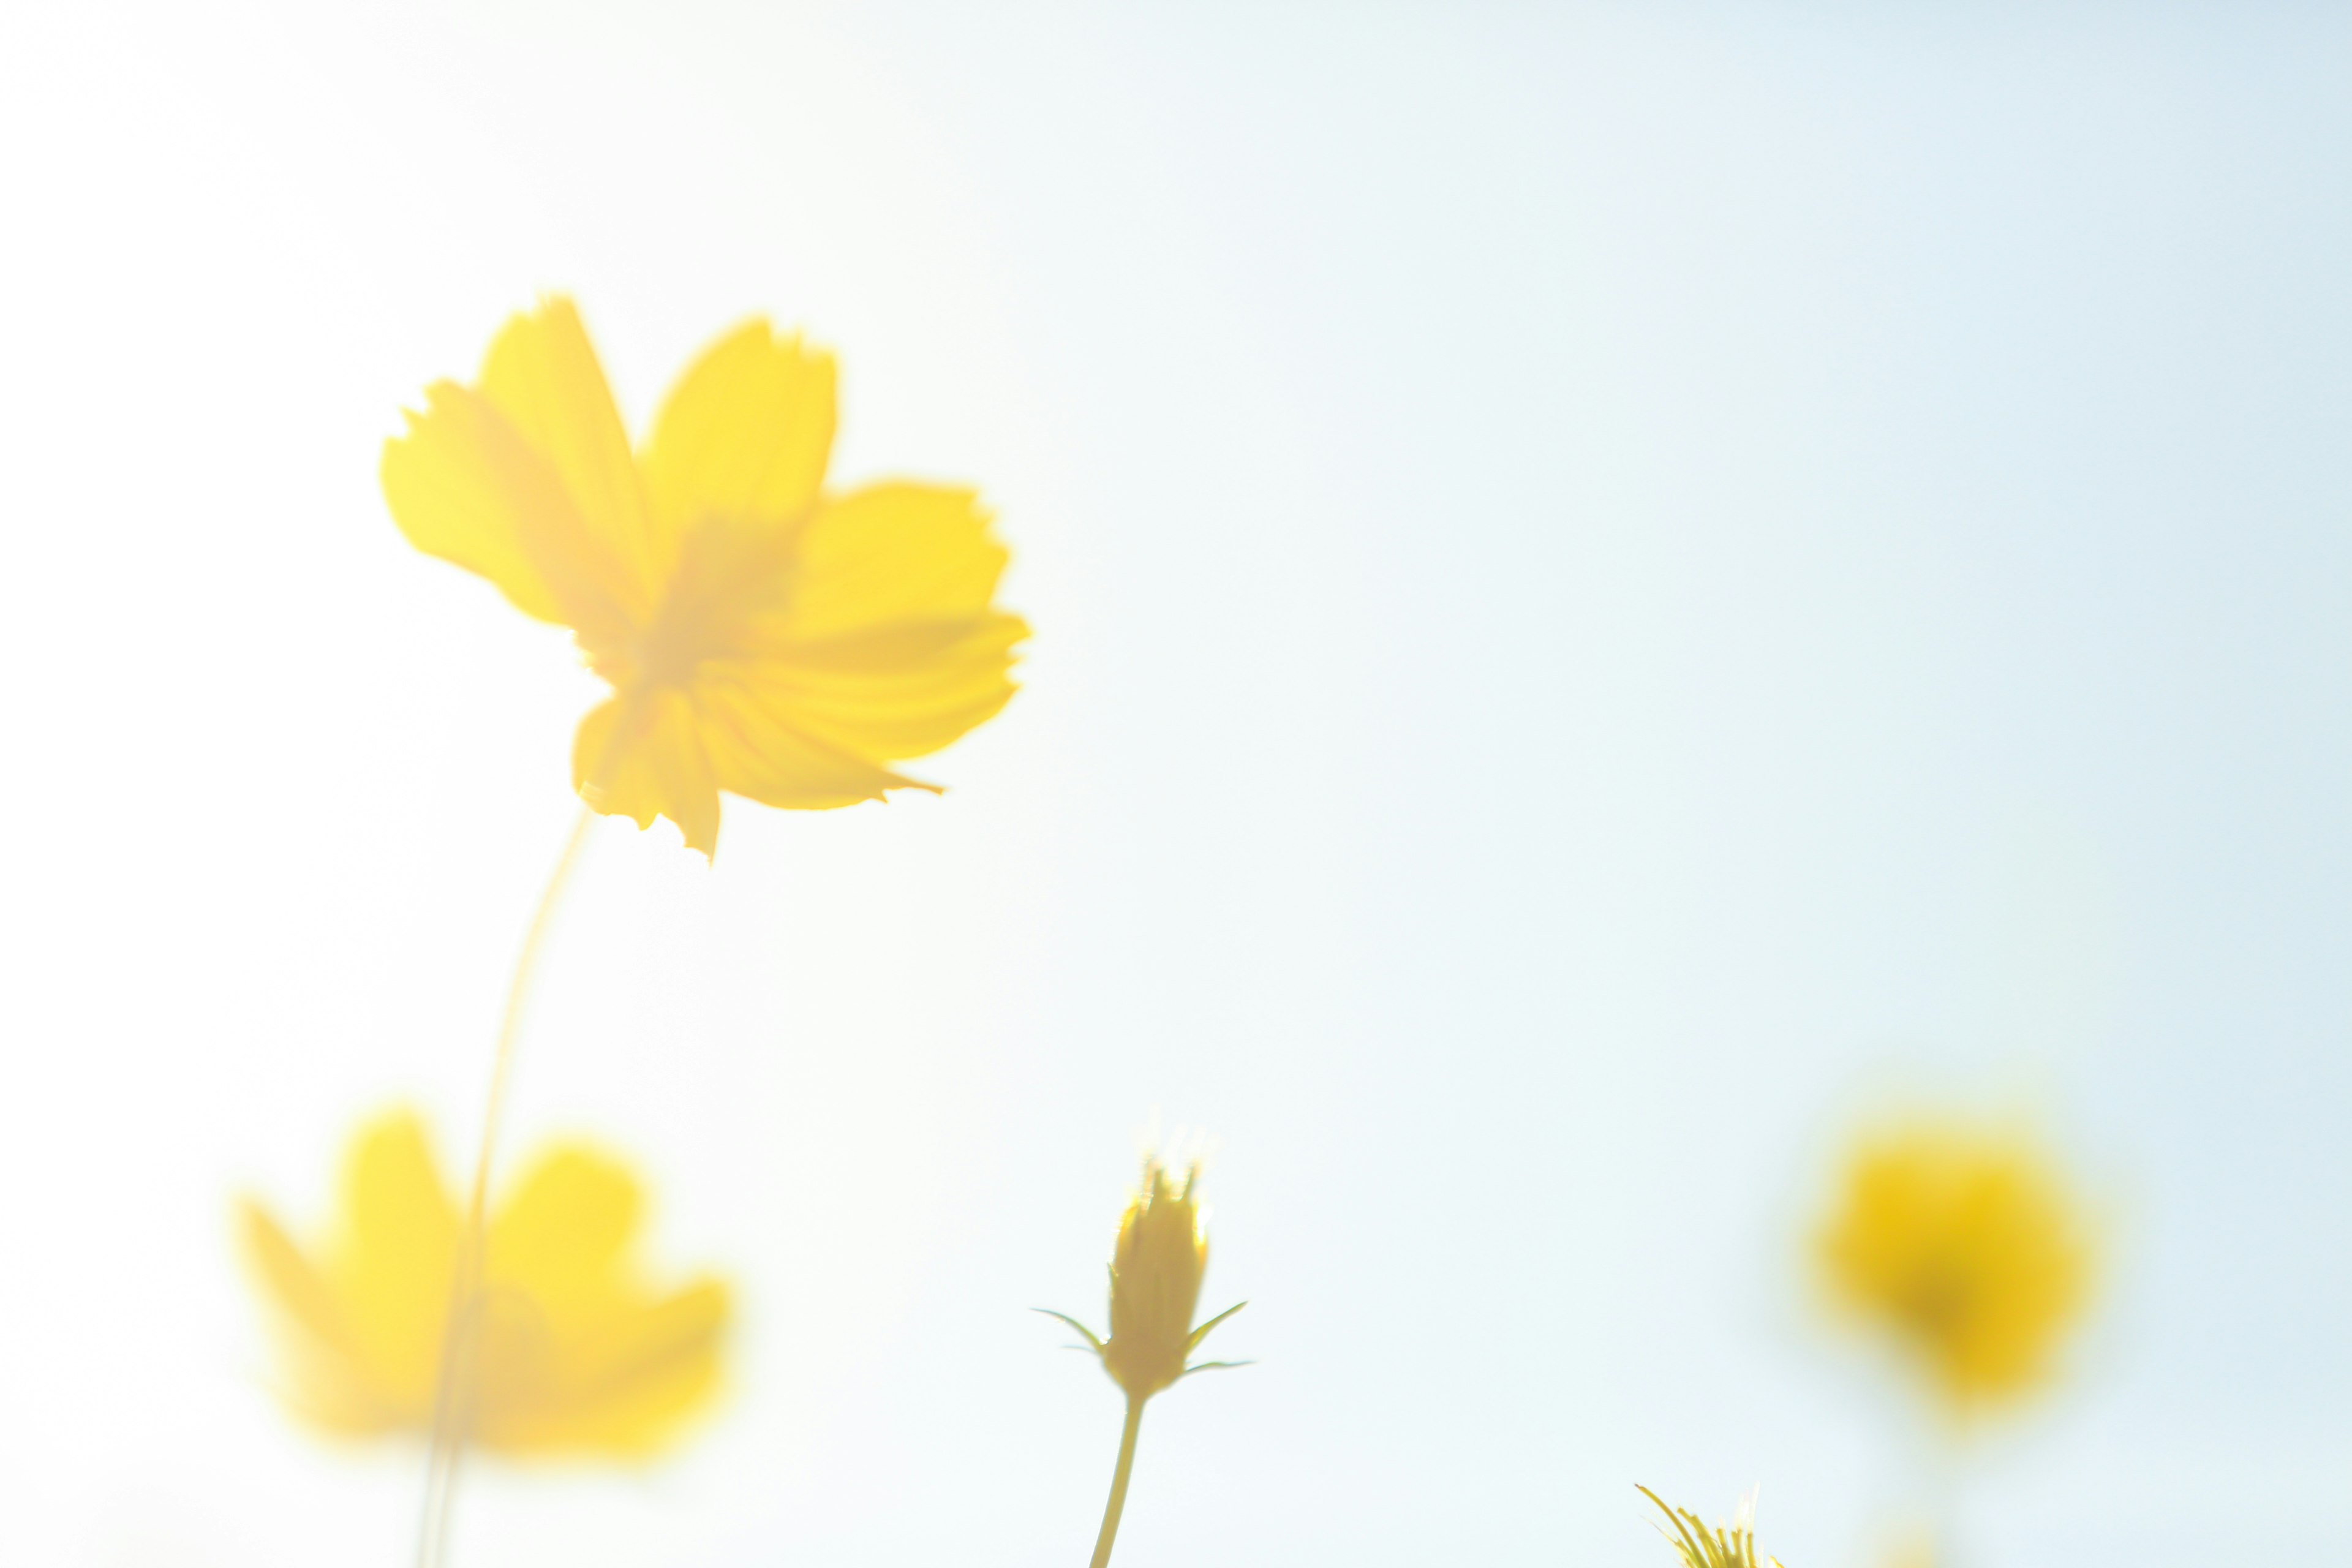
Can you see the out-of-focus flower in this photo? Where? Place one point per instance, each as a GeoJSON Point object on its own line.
{"type": "Point", "coordinates": [1963, 1242]}
{"type": "Point", "coordinates": [1699, 1546]}
{"type": "Point", "coordinates": [1155, 1285]}
{"type": "Point", "coordinates": [574, 1356]}
{"type": "Point", "coordinates": [762, 636]}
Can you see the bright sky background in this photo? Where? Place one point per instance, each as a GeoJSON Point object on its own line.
{"type": "Point", "coordinates": [1614, 591]}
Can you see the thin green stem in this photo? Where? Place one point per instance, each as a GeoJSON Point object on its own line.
{"type": "Point", "coordinates": [454, 1391]}
{"type": "Point", "coordinates": [1118, 1504]}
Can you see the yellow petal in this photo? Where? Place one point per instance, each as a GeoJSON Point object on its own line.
{"type": "Point", "coordinates": [288, 1278]}
{"type": "Point", "coordinates": [395, 1273]}
{"type": "Point", "coordinates": [464, 485]}
{"type": "Point", "coordinates": [745, 435]}
{"type": "Point", "coordinates": [393, 1197]}
{"type": "Point", "coordinates": [541, 373]}
{"type": "Point", "coordinates": [562, 1233]}
{"type": "Point", "coordinates": [902, 692]}
{"type": "Point", "coordinates": [889, 647]}
{"type": "Point", "coordinates": [329, 1383]}
{"type": "Point", "coordinates": [894, 555]}
{"type": "Point", "coordinates": [643, 757]}
{"type": "Point", "coordinates": [760, 753]}
{"type": "Point", "coordinates": [617, 1383]}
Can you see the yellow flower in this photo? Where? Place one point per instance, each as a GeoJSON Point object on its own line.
{"type": "Point", "coordinates": [575, 1355]}
{"type": "Point", "coordinates": [1700, 1547]}
{"type": "Point", "coordinates": [1964, 1242]}
{"type": "Point", "coordinates": [763, 634]}
{"type": "Point", "coordinates": [1155, 1285]}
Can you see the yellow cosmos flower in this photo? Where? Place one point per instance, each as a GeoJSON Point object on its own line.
{"type": "Point", "coordinates": [1964, 1243]}
{"type": "Point", "coordinates": [1700, 1547]}
{"type": "Point", "coordinates": [575, 1355]}
{"type": "Point", "coordinates": [763, 634]}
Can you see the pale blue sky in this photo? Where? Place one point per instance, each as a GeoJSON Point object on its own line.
{"type": "Point", "coordinates": [1615, 588]}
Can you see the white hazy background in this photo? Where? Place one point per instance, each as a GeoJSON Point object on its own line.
{"type": "Point", "coordinates": [1614, 590]}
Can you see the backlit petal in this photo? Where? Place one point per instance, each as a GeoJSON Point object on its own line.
{"type": "Point", "coordinates": [620, 1383]}
{"type": "Point", "coordinates": [464, 485]}
{"type": "Point", "coordinates": [328, 1381]}
{"type": "Point", "coordinates": [393, 1197]}
{"type": "Point", "coordinates": [541, 373]}
{"type": "Point", "coordinates": [562, 1233]}
{"type": "Point", "coordinates": [288, 1275]}
{"type": "Point", "coordinates": [642, 757]}
{"type": "Point", "coordinates": [760, 753]}
{"type": "Point", "coordinates": [902, 692]}
{"type": "Point", "coordinates": [398, 1259]}
{"type": "Point", "coordinates": [744, 436]}
{"type": "Point", "coordinates": [892, 555]}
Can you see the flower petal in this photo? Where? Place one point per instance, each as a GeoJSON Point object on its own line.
{"type": "Point", "coordinates": [393, 1197]}
{"type": "Point", "coordinates": [892, 555]}
{"type": "Point", "coordinates": [328, 1384]}
{"type": "Point", "coordinates": [759, 752]}
{"type": "Point", "coordinates": [288, 1275]}
{"type": "Point", "coordinates": [615, 1384]}
{"type": "Point", "coordinates": [394, 1273]}
{"type": "Point", "coordinates": [643, 757]}
{"type": "Point", "coordinates": [562, 1233]}
{"type": "Point", "coordinates": [541, 373]}
{"type": "Point", "coordinates": [903, 692]}
{"type": "Point", "coordinates": [744, 436]}
{"type": "Point", "coordinates": [464, 485]}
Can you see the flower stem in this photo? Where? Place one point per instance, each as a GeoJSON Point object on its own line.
{"type": "Point", "coordinates": [1118, 1503]}
{"type": "Point", "coordinates": [453, 1392]}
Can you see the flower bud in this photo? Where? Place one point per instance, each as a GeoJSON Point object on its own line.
{"type": "Point", "coordinates": [1697, 1546]}
{"type": "Point", "coordinates": [1155, 1284]}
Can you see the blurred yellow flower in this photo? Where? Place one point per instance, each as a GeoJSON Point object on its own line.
{"type": "Point", "coordinates": [1155, 1286]}
{"type": "Point", "coordinates": [763, 634]}
{"type": "Point", "coordinates": [1964, 1242]}
{"type": "Point", "coordinates": [574, 1355]}
{"type": "Point", "coordinates": [1700, 1547]}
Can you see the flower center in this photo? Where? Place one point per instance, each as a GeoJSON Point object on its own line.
{"type": "Point", "coordinates": [732, 580]}
{"type": "Point", "coordinates": [684, 632]}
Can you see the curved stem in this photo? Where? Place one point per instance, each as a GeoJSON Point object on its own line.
{"type": "Point", "coordinates": [1118, 1504]}
{"type": "Point", "coordinates": [453, 1391]}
